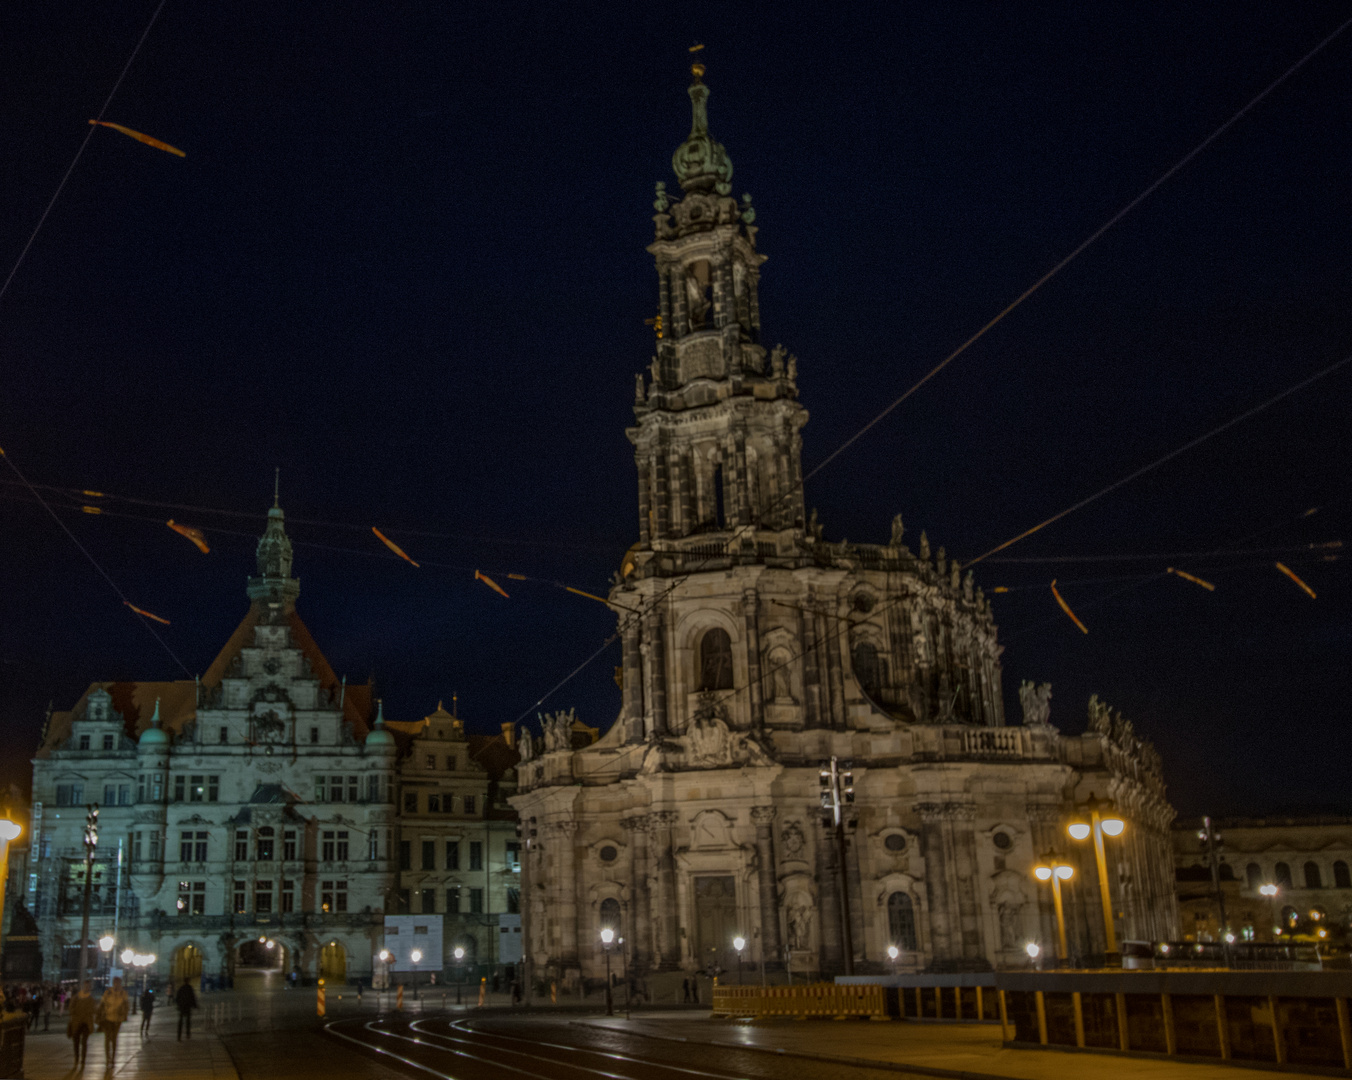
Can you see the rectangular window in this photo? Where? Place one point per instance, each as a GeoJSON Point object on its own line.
{"type": "Point", "coordinates": [185, 847]}
{"type": "Point", "coordinates": [353, 788]}
{"type": "Point", "coordinates": [155, 845]}
{"type": "Point", "coordinates": [192, 897]}
{"type": "Point", "coordinates": [241, 844]}
{"type": "Point", "coordinates": [321, 789]}
{"type": "Point", "coordinates": [513, 901]}
{"type": "Point", "coordinates": [336, 789]}
{"type": "Point", "coordinates": [84, 742]}
{"type": "Point", "coordinates": [109, 794]}
{"type": "Point", "coordinates": [333, 896]}
{"type": "Point", "coordinates": [288, 897]}
{"type": "Point", "coordinates": [373, 788]}
{"type": "Point", "coordinates": [410, 802]}
{"type": "Point", "coordinates": [401, 902]}
{"type": "Point", "coordinates": [289, 845]}
{"type": "Point", "coordinates": [340, 896]}
{"type": "Point", "coordinates": [434, 804]}
{"type": "Point", "coordinates": [197, 791]}
{"type": "Point", "coordinates": [135, 847]}
{"type": "Point", "coordinates": [123, 794]}
{"type": "Point", "coordinates": [264, 845]}
{"type": "Point", "coordinates": [263, 898]}
{"type": "Point", "coordinates": [342, 848]}
{"type": "Point", "coordinates": [77, 794]}
{"type": "Point", "coordinates": [213, 789]}
{"type": "Point", "coordinates": [429, 854]}
{"type": "Point", "coordinates": [180, 788]}
{"type": "Point", "coordinates": [476, 855]}
{"type": "Point", "coordinates": [326, 846]}
{"type": "Point", "coordinates": [141, 789]}
{"type": "Point", "coordinates": [514, 856]}
{"type": "Point", "coordinates": [373, 844]}
{"type": "Point", "coordinates": [225, 735]}
{"type": "Point", "coordinates": [63, 795]}
{"type": "Point", "coordinates": [429, 901]}
{"type": "Point", "coordinates": [450, 763]}
{"type": "Point", "coordinates": [469, 804]}
{"type": "Point", "coordinates": [156, 788]}
{"type": "Point", "coordinates": [241, 898]}
{"type": "Point", "coordinates": [326, 896]}
{"type": "Point", "coordinates": [405, 855]}
{"type": "Point", "coordinates": [107, 742]}
{"type": "Point", "coordinates": [431, 761]}
{"type": "Point", "coordinates": [452, 854]}
{"type": "Point", "coordinates": [200, 848]}
{"type": "Point", "coordinates": [314, 736]}
{"type": "Point", "coordinates": [453, 899]}
{"type": "Point", "coordinates": [476, 901]}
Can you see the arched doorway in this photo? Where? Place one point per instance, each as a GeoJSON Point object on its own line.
{"type": "Point", "coordinates": [333, 963]}
{"type": "Point", "coordinates": [260, 964]}
{"type": "Point", "coordinates": [188, 965]}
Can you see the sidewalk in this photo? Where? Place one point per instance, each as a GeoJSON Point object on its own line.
{"type": "Point", "coordinates": [161, 1057]}
{"type": "Point", "coordinates": [936, 1049]}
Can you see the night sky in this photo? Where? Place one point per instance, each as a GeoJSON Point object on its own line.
{"type": "Point", "coordinates": [403, 260]}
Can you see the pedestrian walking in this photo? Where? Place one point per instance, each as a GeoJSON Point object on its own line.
{"type": "Point", "coordinates": [516, 991]}
{"type": "Point", "coordinates": [81, 1023]}
{"type": "Point", "coordinates": [114, 1007]}
{"type": "Point", "coordinates": [685, 991]}
{"type": "Point", "coordinates": [47, 996]}
{"type": "Point", "coordinates": [186, 1001]}
{"type": "Point", "coordinates": [147, 1007]}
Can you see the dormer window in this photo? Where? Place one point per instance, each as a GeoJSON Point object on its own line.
{"type": "Point", "coordinates": [84, 742]}
{"type": "Point", "coordinates": [107, 742]}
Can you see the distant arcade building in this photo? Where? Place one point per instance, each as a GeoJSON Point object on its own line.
{"type": "Point", "coordinates": [753, 650]}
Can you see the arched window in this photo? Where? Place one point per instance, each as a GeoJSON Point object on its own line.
{"type": "Point", "coordinates": [1289, 917]}
{"type": "Point", "coordinates": [1226, 872]}
{"type": "Point", "coordinates": [715, 660]}
{"type": "Point", "coordinates": [1253, 876]}
{"type": "Point", "coordinates": [1341, 878]}
{"type": "Point", "coordinates": [1283, 875]}
{"type": "Point", "coordinates": [610, 914]}
{"type": "Point", "coordinates": [901, 922]}
{"type": "Point", "coordinates": [1312, 878]}
{"type": "Point", "coordinates": [866, 669]}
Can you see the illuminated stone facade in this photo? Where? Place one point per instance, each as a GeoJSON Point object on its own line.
{"type": "Point", "coordinates": [753, 650]}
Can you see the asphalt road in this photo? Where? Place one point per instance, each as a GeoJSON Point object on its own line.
{"type": "Point", "coordinates": [549, 1047]}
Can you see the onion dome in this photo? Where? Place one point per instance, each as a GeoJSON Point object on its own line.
{"type": "Point", "coordinates": [154, 735]}
{"type": "Point", "coordinates": [379, 736]}
{"type": "Point", "coordinates": [701, 163]}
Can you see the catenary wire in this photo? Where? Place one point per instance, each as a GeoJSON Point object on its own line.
{"type": "Point", "coordinates": [78, 153]}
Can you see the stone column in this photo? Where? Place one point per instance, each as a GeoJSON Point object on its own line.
{"type": "Point", "coordinates": [661, 491]}
{"type": "Point", "coordinates": [743, 486]}
{"type": "Point", "coordinates": [680, 322]}
{"type": "Point", "coordinates": [938, 884]}
{"type": "Point", "coordinates": [958, 820]}
{"type": "Point", "coordinates": [657, 673]}
{"type": "Point", "coordinates": [807, 634]}
{"type": "Point", "coordinates": [640, 930]}
{"type": "Point", "coordinates": [831, 955]}
{"type": "Point", "coordinates": [664, 301]}
{"type": "Point", "coordinates": [563, 889]}
{"type": "Point", "coordinates": [665, 918]}
{"type": "Point", "coordinates": [684, 481]}
{"type": "Point", "coordinates": [751, 617]}
{"type": "Point", "coordinates": [767, 883]}
{"type": "Point", "coordinates": [832, 628]}
{"type": "Point", "coordinates": [631, 660]}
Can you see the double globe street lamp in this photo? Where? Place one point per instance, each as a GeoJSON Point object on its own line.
{"type": "Point", "coordinates": [1102, 822]}
{"type": "Point", "coordinates": [1056, 872]}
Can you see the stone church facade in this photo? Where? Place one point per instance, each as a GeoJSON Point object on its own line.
{"type": "Point", "coordinates": [754, 650]}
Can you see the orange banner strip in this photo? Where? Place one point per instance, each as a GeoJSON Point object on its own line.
{"type": "Point", "coordinates": [392, 545]}
{"type": "Point", "coordinates": [1066, 608]}
{"type": "Point", "coordinates": [1188, 577]}
{"type": "Point", "coordinates": [1292, 575]}
{"type": "Point", "coordinates": [146, 614]}
{"type": "Point", "coordinates": [141, 137]}
{"type": "Point", "coordinates": [491, 583]}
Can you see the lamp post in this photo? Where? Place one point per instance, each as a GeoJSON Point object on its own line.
{"type": "Point", "coordinates": [607, 936]}
{"type": "Point", "coordinates": [9, 830]}
{"type": "Point", "coordinates": [459, 970]}
{"type": "Point", "coordinates": [106, 944]}
{"type": "Point", "coordinates": [624, 961]}
{"type": "Point", "coordinates": [416, 957]}
{"type": "Point", "coordinates": [384, 957]}
{"type": "Point", "coordinates": [739, 943]}
{"type": "Point", "coordinates": [1032, 949]}
{"type": "Point", "coordinates": [1056, 872]}
{"type": "Point", "coordinates": [892, 954]}
{"type": "Point", "coordinates": [1270, 891]}
{"type": "Point", "coordinates": [1102, 821]}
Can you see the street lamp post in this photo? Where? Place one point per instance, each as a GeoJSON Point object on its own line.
{"type": "Point", "coordinates": [1056, 872]}
{"type": "Point", "coordinates": [106, 944]}
{"type": "Point", "coordinates": [892, 954]}
{"type": "Point", "coordinates": [607, 936]}
{"type": "Point", "coordinates": [91, 842]}
{"type": "Point", "coordinates": [459, 970]}
{"type": "Point", "coordinates": [9, 830]}
{"type": "Point", "coordinates": [1102, 821]}
{"type": "Point", "coordinates": [416, 957]}
{"type": "Point", "coordinates": [739, 943]}
{"type": "Point", "coordinates": [624, 961]}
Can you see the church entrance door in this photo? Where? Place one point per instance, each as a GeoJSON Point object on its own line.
{"type": "Point", "coordinates": [716, 923]}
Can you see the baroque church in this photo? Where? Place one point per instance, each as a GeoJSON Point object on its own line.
{"type": "Point", "coordinates": [755, 650]}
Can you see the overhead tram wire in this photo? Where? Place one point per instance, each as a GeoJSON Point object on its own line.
{"type": "Point", "coordinates": [1084, 245]}
{"type": "Point", "coordinates": [1093, 238]}
{"type": "Point", "coordinates": [1308, 380]}
{"type": "Point", "coordinates": [78, 153]}
{"type": "Point", "coordinates": [95, 563]}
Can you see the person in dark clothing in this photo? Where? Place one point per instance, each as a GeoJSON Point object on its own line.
{"type": "Point", "coordinates": [81, 1023]}
{"type": "Point", "coordinates": [147, 1007]}
{"type": "Point", "coordinates": [685, 991]}
{"type": "Point", "coordinates": [516, 991]}
{"type": "Point", "coordinates": [186, 1001]}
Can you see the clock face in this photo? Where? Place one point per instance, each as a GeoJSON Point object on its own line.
{"type": "Point", "coordinates": [272, 665]}
{"type": "Point", "coordinates": [269, 727]}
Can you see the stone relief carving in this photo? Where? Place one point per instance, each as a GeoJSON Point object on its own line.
{"type": "Point", "coordinates": [525, 744]}
{"type": "Point", "coordinates": [709, 743]}
{"type": "Point", "coordinates": [800, 924]}
{"type": "Point", "coordinates": [1010, 915]}
{"type": "Point", "coordinates": [792, 841]}
{"type": "Point", "coordinates": [1037, 703]}
{"type": "Point", "coordinates": [702, 360]}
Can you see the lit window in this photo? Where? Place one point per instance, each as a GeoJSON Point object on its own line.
{"type": "Point", "coordinates": [241, 898]}
{"type": "Point", "coordinates": [198, 793]}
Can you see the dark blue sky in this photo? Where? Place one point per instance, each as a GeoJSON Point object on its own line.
{"type": "Point", "coordinates": [404, 261]}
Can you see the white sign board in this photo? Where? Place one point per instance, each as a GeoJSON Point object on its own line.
{"type": "Point", "coordinates": [509, 939]}
{"type": "Point", "coordinates": [406, 934]}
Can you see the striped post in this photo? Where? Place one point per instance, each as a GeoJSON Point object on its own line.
{"type": "Point", "coordinates": [399, 996]}
{"type": "Point", "coordinates": [319, 1001]}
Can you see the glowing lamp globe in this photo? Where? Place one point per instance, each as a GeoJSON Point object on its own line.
{"type": "Point", "coordinates": [9, 830]}
{"type": "Point", "coordinates": [739, 943]}
{"type": "Point", "coordinates": [1032, 950]}
{"type": "Point", "coordinates": [384, 956]}
{"type": "Point", "coordinates": [1268, 890]}
{"type": "Point", "coordinates": [607, 935]}
{"type": "Point", "coordinates": [1042, 873]}
{"type": "Point", "coordinates": [128, 956]}
{"type": "Point", "coordinates": [1112, 826]}
{"type": "Point", "coordinates": [893, 952]}
{"type": "Point", "coordinates": [1065, 873]}
{"type": "Point", "coordinates": [459, 952]}
{"type": "Point", "coordinates": [106, 943]}
{"type": "Point", "coordinates": [415, 955]}
{"type": "Point", "coordinates": [1078, 830]}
